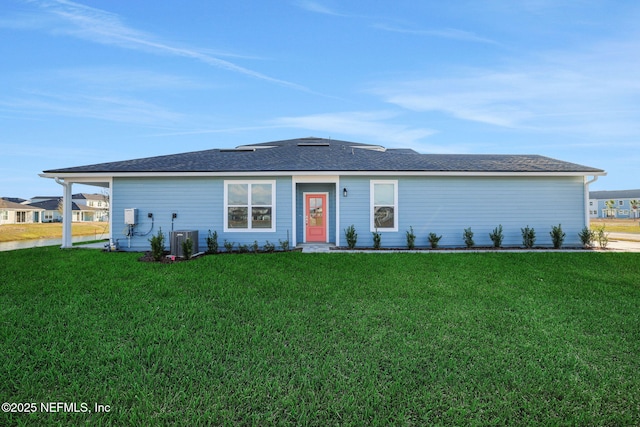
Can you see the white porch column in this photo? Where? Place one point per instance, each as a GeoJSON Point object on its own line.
{"type": "Point", "coordinates": [66, 214]}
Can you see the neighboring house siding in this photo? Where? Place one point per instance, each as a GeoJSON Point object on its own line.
{"type": "Point", "coordinates": [447, 205]}
{"type": "Point", "coordinates": [19, 216]}
{"type": "Point", "coordinates": [164, 196]}
{"type": "Point", "coordinates": [621, 209]}
{"type": "Point", "coordinates": [621, 204]}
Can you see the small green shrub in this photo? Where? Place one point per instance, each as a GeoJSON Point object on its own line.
{"type": "Point", "coordinates": [528, 237]}
{"type": "Point", "coordinates": [243, 249]}
{"type": "Point", "coordinates": [187, 249]}
{"type": "Point", "coordinates": [587, 236]}
{"type": "Point", "coordinates": [284, 244]}
{"type": "Point", "coordinates": [603, 237]}
{"type": "Point", "coordinates": [411, 239]}
{"type": "Point", "coordinates": [377, 238]}
{"type": "Point", "coordinates": [352, 236]}
{"type": "Point", "coordinates": [557, 236]}
{"type": "Point", "coordinates": [228, 246]}
{"type": "Point", "coordinates": [467, 235]}
{"type": "Point", "coordinates": [255, 247]}
{"type": "Point", "coordinates": [497, 236]}
{"type": "Point", "coordinates": [269, 247]}
{"type": "Point", "coordinates": [434, 239]}
{"type": "Point", "coordinates": [157, 245]}
{"type": "Point", "coordinates": [212, 242]}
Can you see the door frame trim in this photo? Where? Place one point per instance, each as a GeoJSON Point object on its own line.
{"type": "Point", "coordinates": [304, 213]}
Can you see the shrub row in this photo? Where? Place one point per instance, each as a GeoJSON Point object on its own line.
{"type": "Point", "coordinates": [212, 245]}
{"type": "Point", "coordinates": [158, 246]}
{"type": "Point", "coordinates": [587, 237]}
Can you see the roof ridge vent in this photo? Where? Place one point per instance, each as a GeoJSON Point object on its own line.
{"type": "Point", "coordinates": [370, 147]}
{"type": "Point", "coordinates": [313, 144]}
{"type": "Point", "coordinates": [253, 147]}
{"type": "Point", "coordinates": [237, 149]}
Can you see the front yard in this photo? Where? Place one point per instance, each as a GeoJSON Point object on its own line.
{"type": "Point", "coordinates": [17, 232]}
{"type": "Point", "coordinates": [615, 225]}
{"type": "Point", "coordinates": [322, 339]}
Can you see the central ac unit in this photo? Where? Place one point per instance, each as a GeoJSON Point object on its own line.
{"type": "Point", "coordinates": [176, 239]}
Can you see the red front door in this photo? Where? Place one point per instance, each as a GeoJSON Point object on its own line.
{"type": "Point", "coordinates": [316, 217]}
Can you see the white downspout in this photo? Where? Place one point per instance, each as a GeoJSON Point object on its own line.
{"type": "Point", "coordinates": [66, 213]}
{"type": "Point", "coordinates": [586, 199]}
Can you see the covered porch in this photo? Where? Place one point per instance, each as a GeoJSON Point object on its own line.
{"type": "Point", "coordinates": [67, 204]}
{"type": "Point", "coordinates": [316, 210]}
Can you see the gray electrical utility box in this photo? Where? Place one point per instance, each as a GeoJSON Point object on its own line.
{"type": "Point", "coordinates": [131, 216]}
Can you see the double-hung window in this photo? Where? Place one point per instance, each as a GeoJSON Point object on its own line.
{"type": "Point", "coordinates": [384, 205]}
{"type": "Point", "coordinates": [249, 205]}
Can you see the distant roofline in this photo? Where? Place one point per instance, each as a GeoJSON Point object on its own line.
{"type": "Point", "coordinates": [615, 194]}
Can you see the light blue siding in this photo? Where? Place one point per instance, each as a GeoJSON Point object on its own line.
{"type": "Point", "coordinates": [448, 205]}
{"type": "Point", "coordinates": [443, 205]}
{"type": "Point", "coordinates": [354, 210]}
{"type": "Point", "coordinates": [199, 205]}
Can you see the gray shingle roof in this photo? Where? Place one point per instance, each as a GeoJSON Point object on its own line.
{"type": "Point", "coordinates": [53, 205]}
{"type": "Point", "coordinates": [5, 204]}
{"type": "Point", "coordinates": [316, 154]}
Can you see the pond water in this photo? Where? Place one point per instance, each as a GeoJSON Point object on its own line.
{"type": "Point", "coordinates": [25, 244]}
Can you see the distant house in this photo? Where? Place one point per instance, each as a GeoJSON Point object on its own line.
{"type": "Point", "coordinates": [614, 204]}
{"type": "Point", "coordinates": [17, 213]}
{"type": "Point", "coordinates": [51, 211]}
{"type": "Point", "coordinates": [310, 189]}
{"type": "Point", "coordinates": [95, 206]}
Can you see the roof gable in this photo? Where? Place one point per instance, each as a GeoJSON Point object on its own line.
{"type": "Point", "coordinates": [318, 154]}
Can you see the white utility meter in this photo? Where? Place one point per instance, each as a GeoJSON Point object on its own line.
{"type": "Point", "coordinates": [131, 216]}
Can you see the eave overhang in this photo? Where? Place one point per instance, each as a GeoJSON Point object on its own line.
{"type": "Point", "coordinates": [102, 176]}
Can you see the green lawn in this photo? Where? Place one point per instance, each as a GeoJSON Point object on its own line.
{"type": "Point", "coordinates": [322, 339]}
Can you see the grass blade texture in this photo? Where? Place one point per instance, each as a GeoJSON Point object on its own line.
{"type": "Point", "coordinates": [322, 339]}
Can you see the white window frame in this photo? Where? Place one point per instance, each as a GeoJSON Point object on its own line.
{"type": "Point", "coordinates": [372, 224]}
{"type": "Point", "coordinates": [249, 228]}
{"type": "Point", "coordinates": [4, 215]}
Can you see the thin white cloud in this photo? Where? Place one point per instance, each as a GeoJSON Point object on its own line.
{"type": "Point", "coordinates": [445, 33]}
{"type": "Point", "coordinates": [373, 126]}
{"type": "Point", "coordinates": [123, 78]}
{"type": "Point", "coordinates": [315, 7]}
{"type": "Point", "coordinates": [594, 91]}
{"type": "Point", "coordinates": [31, 152]}
{"type": "Point", "coordinates": [103, 93]}
{"type": "Point", "coordinates": [103, 27]}
{"type": "Point", "coordinates": [203, 131]}
{"type": "Point", "coordinates": [122, 109]}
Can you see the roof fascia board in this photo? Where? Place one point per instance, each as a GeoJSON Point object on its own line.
{"type": "Point", "coordinates": [105, 176]}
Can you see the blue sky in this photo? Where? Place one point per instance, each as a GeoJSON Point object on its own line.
{"type": "Point", "coordinates": [93, 81]}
